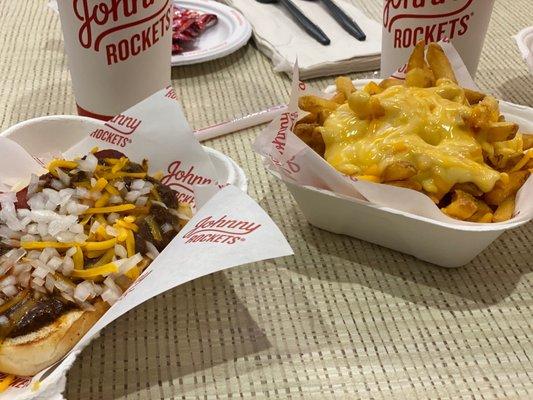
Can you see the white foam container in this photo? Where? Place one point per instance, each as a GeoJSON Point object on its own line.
{"type": "Point", "coordinates": [60, 132]}
{"type": "Point", "coordinates": [440, 243]}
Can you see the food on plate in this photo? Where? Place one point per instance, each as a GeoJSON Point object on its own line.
{"type": "Point", "coordinates": [187, 26]}
{"type": "Point", "coordinates": [71, 243]}
{"type": "Point", "coordinates": [425, 133]}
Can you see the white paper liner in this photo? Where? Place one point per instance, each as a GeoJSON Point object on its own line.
{"type": "Point", "coordinates": [296, 162]}
{"type": "Point", "coordinates": [229, 228]}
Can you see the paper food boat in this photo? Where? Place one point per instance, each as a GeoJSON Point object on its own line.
{"type": "Point", "coordinates": [156, 130]}
{"type": "Point", "coordinates": [393, 217]}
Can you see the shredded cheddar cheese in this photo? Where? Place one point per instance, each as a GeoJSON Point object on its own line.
{"type": "Point", "coordinates": [110, 209]}
{"type": "Point", "coordinates": [78, 258]}
{"type": "Point", "coordinates": [104, 245]}
{"type": "Point", "coordinates": [130, 243]}
{"type": "Point", "coordinates": [94, 272]}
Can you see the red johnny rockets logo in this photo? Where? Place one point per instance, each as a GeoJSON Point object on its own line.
{"type": "Point", "coordinates": [182, 181]}
{"type": "Point", "coordinates": [99, 21]}
{"type": "Point", "coordinates": [454, 23]}
{"type": "Point", "coordinates": [117, 130]}
{"type": "Point", "coordinates": [286, 122]}
{"type": "Point", "coordinates": [220, 230]}
{"type": "Point", "coordinates": [171, 93]}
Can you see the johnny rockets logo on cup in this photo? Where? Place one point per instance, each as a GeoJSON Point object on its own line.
{"type": "Point", "coordinates": [406, 22]}
{"type": "Point", "coordinates": [118, 51]}
{"type": "Point", "coordinates": [182, 179]}
{"type": "Point", "coordinates": [220, 230]}
{"type": "Point", "coordinates": [117, 131]}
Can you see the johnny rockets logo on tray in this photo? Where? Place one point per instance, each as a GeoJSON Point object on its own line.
{"type": "Point", "coordinates": [117, 131]}
{"type": "Point", "coordinates": [182, 180]}
{"type": "Point", "coordinates": [286, 122]}
{"type": "Point", "coordinates": [220, 230]}
{"type": "Point", "coordinates": [450, 22]}
{"type": "Point", "coordinates": [102, 26]}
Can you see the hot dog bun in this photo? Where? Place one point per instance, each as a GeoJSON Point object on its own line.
{"type": "Point", "coordinates": [31, 353]}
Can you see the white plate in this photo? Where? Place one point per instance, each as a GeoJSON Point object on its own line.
{"type": "Point", "coordinates": [230, 33]}
{"type": "Point", "coordinates": [60, 132]}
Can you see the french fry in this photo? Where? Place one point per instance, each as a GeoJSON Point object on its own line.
{"type": "Point", "coordinates": [408, 184]}
{"type": "Point", "coordinates": [416, 59]}
{"type": "Point", "coordinates": [311, 136]}
{"type": "Point", "coordinates": [308, 119]}
{"type": "Point", "coordinates": [398, 171]}
{"type": "Point", "coordinates": [523, 162]}
{"type": "Point", "coordinates": [372, 88]}
{"type": "Point", "coordinates": [389, 82]}
{"type": "Point", "coordinates": [498, 131]}
{"type": "Point", "coordinates": [463, 205]}
{"type": "Point", "coordinates": [365, 106]}
{"type": "Point", "coordinates": [316, 104]}
{"type": "Point", "coordinates": [473, 97]}
{"type": "Point", "coordinates": [483, 113]}
{"type": "Point", "coordinates": [505, 210]}
{"type": "Point", "coordinates": [344, 86]}
{"type": "Point", "coordinates": [439, 63]}
{"type": "Point", "coordinates": [454, 93]}
{"type": "Point", "coordinates": [323, 115]}
{"type": "Point", "coordinates": [527, 140]}
{"type": "Point", "coordinates": [483, 212]}
{"type": "Point", "coordinates": [502, 189]}
{"type": "Point", "coordinates": [420, 77]}
{"type": "Point", "coordinates": [470, 188]}
{"type": "Point", "coordinates": [339, 98]}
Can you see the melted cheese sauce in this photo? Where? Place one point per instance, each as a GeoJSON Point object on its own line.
{"type": "Point", "coordinates": [421, 127]}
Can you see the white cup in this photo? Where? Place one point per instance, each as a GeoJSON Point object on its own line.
{"type": "Point", "coordinates": [405, 22]}
{"type": "Point", "coordinates": [118, 52]}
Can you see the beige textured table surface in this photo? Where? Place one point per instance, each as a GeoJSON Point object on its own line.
{"type": "Point", "coordinates": [343, 318]}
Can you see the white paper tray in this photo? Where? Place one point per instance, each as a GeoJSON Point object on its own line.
{"type": "Point", "coordinates": [437, 242]}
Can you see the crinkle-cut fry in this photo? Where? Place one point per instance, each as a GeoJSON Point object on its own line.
{"type": "Point", "coordinates": [344, 85]}
{"type": "Point", "coordinates": [398, 171]}
{"type": "Point", "coordinates": [408, 184]}
{"type": "Point", "coordinates": [416, 59]}
{"type": "Point", "coordinates": [473, 97]}
{"type": "Point", "coordinates": [439, 63]}
{"type": "Point", "coordinates": [502, 189]}
{"type": "Point", "coordinates": [420, 77]}
{"type": "Point", "coordinates": [462, 206]}
{"type": "Point", "coordinates": [505, 210]}
{"type": "Point", "coordinates": [316, 104]}
{"type": "Point", "coordinates": [498, 131]}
